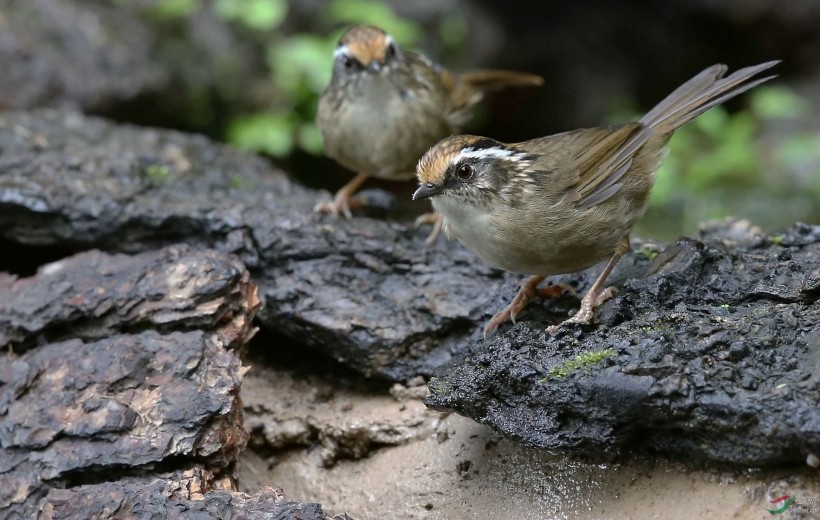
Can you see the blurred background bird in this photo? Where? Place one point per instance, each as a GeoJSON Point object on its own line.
{"type": "Point", "coordinates": [386, 106]}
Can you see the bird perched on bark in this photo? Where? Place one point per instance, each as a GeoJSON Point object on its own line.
{"type": "Point", "coordinates": [386, 106]}
{"type": "Point", "coordinates": [563, 203]}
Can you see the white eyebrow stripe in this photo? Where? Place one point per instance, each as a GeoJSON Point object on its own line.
{"type": "Point", "coordinates": [343, 50]}
{"type": "Point", "coordinates": [495, 152]}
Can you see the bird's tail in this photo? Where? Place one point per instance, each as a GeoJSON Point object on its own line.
{"type": "Point", "coordinates": [468, 88]}
{"type": "Point", "coordinates": [499, 79]}
{"type": "Point", "coordinates": [699, 94]}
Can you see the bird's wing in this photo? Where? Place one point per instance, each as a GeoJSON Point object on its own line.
{"type": "Point", "coordinates": [586, 165]}
{"type": "Point", "coordinates": [466, 89]}
{"type": "Point", "coordinates": [448, 96]}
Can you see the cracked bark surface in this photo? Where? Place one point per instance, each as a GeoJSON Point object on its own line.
{"type": "Point", "coordinates": [712, 340]}
{"type": "Point", "coordinates": [84, 53]}
{"type": "Point", "coordinates": [116, 367]}
{"type": "Point", "coordinates": [180, 495]}
{"type": "Point", "coordinates": [367, 292]}
{"type": "Point", "coordinates": [712, 354]}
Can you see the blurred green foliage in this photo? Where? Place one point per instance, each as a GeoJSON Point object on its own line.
{"type": "Point", "coordinates": [300, 64]}
{"type": "Point", "coordinates": [762, 162]}
{"type": "Point", "coordinates": [169, 9]}
{"type": "Point", "coordinates": [718, 148]}
{"type": "Point", "coordinates": [372, 12]}
{"type": "Point", "coordinates": [754, 163]}
{"type": "Point", "coordinates": [261, 15]}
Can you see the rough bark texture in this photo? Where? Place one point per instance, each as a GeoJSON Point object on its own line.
{"type": "Point", "coordinates": [714, 353]}
{"type": "Point", "coordinates": [181, 495]}
{"type": "Point", "coordinates": [366, 291]}
{"type": "Point", "coordinates": [713, 340]}
{"type": "Point", "coordinates": [89, 296]}
{"type": "Point", "coordinates": [84, 53]}
{"type": "Point", "coordinates": [117, 366]}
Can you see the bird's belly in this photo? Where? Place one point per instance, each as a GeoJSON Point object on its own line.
{"type": "Point", "coordinates": [383, 138]}
{"type": "Point", "coordinates": [516, 246]}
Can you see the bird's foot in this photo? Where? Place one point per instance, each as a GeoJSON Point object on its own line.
{"type": "Point", "coordinates": [437, 220]}
{"type": "Point", "coordinates": [342, 204]}
{"type": "Point", "coordinates": [529, 290]}
{"type": "Point", "coordinates": [585, 312]}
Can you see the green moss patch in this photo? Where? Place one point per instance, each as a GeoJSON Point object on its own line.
{"type": "Point", "coordinates": [579, 362]}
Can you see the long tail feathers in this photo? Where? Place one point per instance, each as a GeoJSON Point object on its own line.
{"type": "Point", "coordinates": [498, 79]}
{"type": "Point", "coordinates": [699, 94]}
{"type": "Point", "coordinates": [696, 96]}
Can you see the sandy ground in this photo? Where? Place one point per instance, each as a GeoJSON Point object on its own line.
{"type": "Point", "coordinates": [379, 454]}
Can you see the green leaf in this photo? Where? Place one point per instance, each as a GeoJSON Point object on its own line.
{"type": "Point", "coordinates": [453, 29]}
{"type": "Point", "coordinates": [778, 103]}
{"type": "Point", "coordinates": [666, 182]}
{"type": "Point", "coordinates": [261, 15]}
{"type": "Point", "coordinates": [301, 58]}
{"type": "Point", "coordinates": [713, 122]}
{"type": "Point", "coordinates": [800, 151]}
{"type": "Point", "coordinates": [376, 13]}
{"type": "Point", "coordinates": [269, 133]}
{"type": "Point", "coordinates": [310, 138]}
{"type": "Point", "coordinates": [175, 8]}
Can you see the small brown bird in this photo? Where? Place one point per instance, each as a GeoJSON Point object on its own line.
{"type": "Point", "coordinates": [562, 203]}
{"type": "Point", "coordinates": [385, 107]}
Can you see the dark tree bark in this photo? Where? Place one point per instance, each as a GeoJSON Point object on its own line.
{"type": "Point", "coordinates": [712, 354]}
{"type": "Point", "coordinates": [119, 366]}
{"type": "Point", "coordinates": [366, 291]}
{"type": "Point", "coordinates": [712, 340]}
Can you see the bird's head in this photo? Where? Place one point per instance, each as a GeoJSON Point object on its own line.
{"type": "Point", "coordinates": [475, 170]}
{"type": "Point", "coordinates": [365, 49]}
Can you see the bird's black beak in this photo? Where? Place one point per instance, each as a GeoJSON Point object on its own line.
{"type": "Point", "coordinates": [428, 189]}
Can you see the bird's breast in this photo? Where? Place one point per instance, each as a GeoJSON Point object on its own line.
{"type": "Point", "coordinates": [379, 130]}
{"type": "Point", "coordinates": [546, 242]}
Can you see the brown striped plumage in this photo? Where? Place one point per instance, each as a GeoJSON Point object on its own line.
{"type": "Point", "coordinates": [385, 107]}
{"type": "Point", "coordinates": [565, 202]}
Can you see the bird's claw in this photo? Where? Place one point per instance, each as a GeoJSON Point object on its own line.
{"type": "Point", "coordinates": [587, 309]}
{"type": "Point", "coordinates": [340, 205]}
{"type": "Point", "coordinates": [434, 218]}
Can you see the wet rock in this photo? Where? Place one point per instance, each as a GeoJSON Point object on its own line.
{"type": "Point", "coordinates": [181, 495]}
{"type": "Point", "coordinates": [133, 61]}
{"type": "Point", "coordinates": [116, 366]}
{"type": "Point", "coordinates": [366, 292]}
{"type": "Point", "coordinates": [89, 54]}
{"type": "Point", "coordinates": [88, 296]}
{"type": "Point", "coordinates": [712, 354]}
{"type": "Point", "coordinates": [707, 341]}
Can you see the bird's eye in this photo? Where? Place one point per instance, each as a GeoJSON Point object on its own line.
{"type": "Point", "coordinates": [464, 172]}
{"type": "Point", "coordinates": [347, 61]}
{"type": "Point", "coordinates": [391, 50]}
